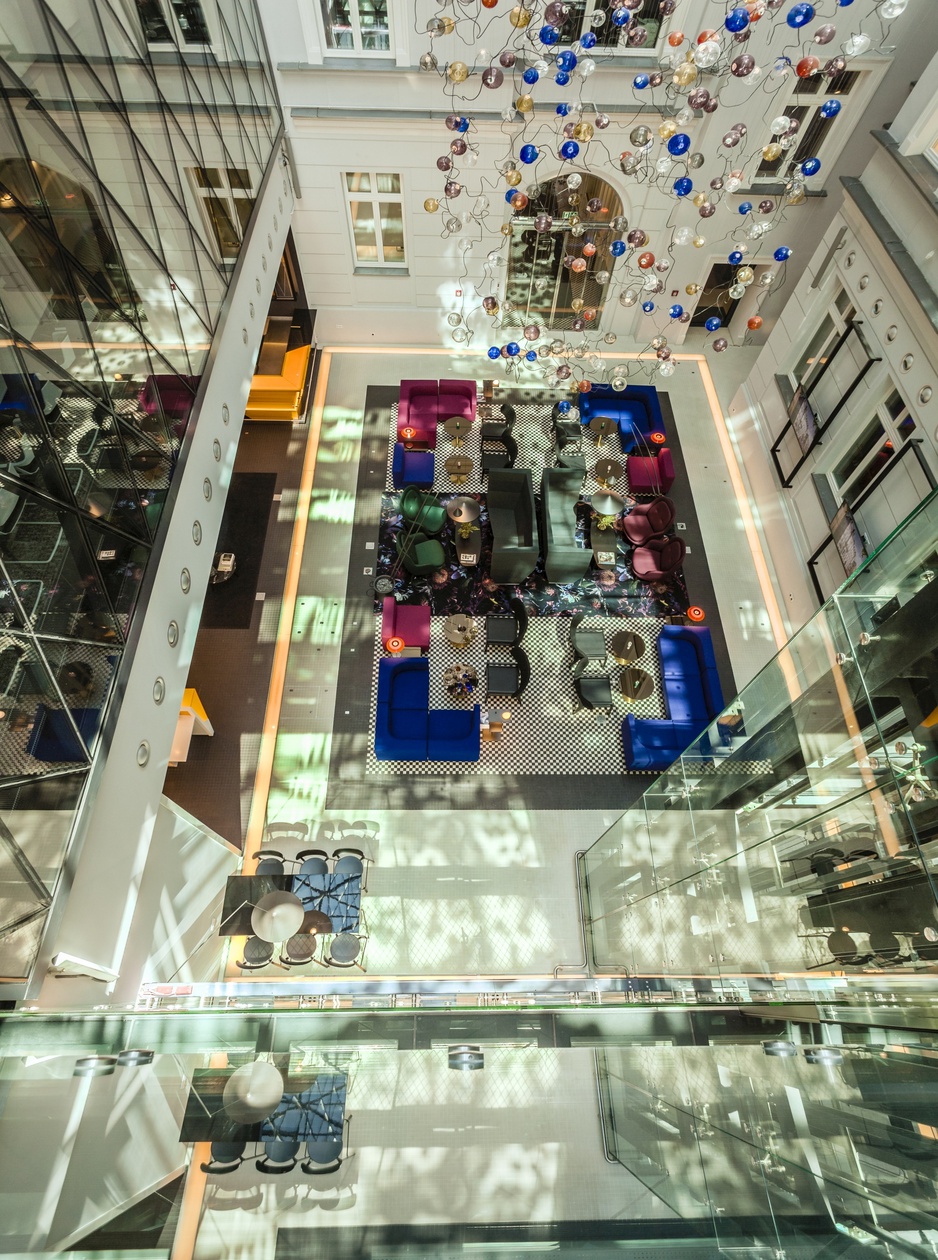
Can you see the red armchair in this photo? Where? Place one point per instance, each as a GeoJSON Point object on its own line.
{"type": "Point", "coordinates": [418, 408]}
{"type": "Point", "coordinates": [647, 520]}
{"type": "Point", "coordinates": [457, 398]}
{"type": "Point", "coordinates": [410, 622]}
{"type": "Point", "coordinates": [658, 558]}
{"type": "Point", "coordinates": [650, 474]}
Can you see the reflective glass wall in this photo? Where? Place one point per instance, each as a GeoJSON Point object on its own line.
{"type": "Point", "coordinates": [799, 834]}
{"type": "Point", "coordinates": [134, 135]}
{"type": "Point", "coordinates": [362, 1135]}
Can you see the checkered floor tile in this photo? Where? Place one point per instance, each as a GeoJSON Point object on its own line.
{"type": "Point", "coordinates": [531, 431]}
{"type": "Point", "coordinates": [546, 734]}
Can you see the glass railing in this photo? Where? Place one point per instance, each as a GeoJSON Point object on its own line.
{"type": "Point", "coordinates": [340, 1134]}
{"type": "Point", "coordinates": [797, 834]}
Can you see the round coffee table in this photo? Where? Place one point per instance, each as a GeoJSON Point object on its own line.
{"type": "Point", "coordinates": [627, 646]}
{"type": "Point", "coordinates": [459, 467]}
{"type": "Point", "coordinates": [460, 681]}
{"type": "Point", "coordinates": [607, 470]}
{"type": "Point", "coordinates": [457, 427]}
{"type": "Point", "coordinates": [345, 948]}
{"type": "Point", "coordinates": [459, 630]}
{"type": "Point", "coordinates": [636, 684]}
{"type": "Point", "coordinates": [462, 509]}
{"type": "Point", "coordinates": [602, 426]}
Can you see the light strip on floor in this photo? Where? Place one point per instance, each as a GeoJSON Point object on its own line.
{"type": "Point", "coordinates": [278, 671]}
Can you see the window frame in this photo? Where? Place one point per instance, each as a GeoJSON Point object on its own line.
{"type": "Point", "coordinates": [840, 321]}
{"type": "Point", "coordinates": [622, 49]}
{"type": "Point", "coordinates": [357, 49]}
{"type": "Point", "coordinates": [853, 104]}
{"type": "Point", "coordinates": [230, 196]}
{"type": "Point", "coordinates": [177, 36]}
{"type": "Point", "coordinates": [848, 490]}
{"type": "Point", "coordinates": [375, 198]}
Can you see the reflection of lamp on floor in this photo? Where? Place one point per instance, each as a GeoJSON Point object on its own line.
{"type": "Point", "coordinates": [252, 1092]}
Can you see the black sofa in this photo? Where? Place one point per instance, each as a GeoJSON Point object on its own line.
{"type": "Point", "coordinates": [510, 502]}
{"type": "Point", "coordinates": [564, 560]}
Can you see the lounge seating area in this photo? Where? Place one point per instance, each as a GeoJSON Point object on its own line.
{"type": "Point", "coordinates": [475, 571]}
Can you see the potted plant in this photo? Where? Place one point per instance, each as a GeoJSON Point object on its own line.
{"type": "Point", "coordinates": [467, 529]}
{"type": "Point", "coordinates": [604, 522]}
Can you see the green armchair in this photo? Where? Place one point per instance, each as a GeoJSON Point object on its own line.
{"type": "Point", "coordinates": [420, 555]}
{"type": "Point", "coordinates": [422, 509]}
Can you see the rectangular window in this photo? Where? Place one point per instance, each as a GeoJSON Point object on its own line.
{"type": "Point", "coordinates": [356, 25]}
{"type": "Point", "coordinates": [227, 199]}
{"type": "Point", "coordinates": [813, 127]}
{"type": "Point", "coordinates": [596, 16]}
{"type": "Point", "coordinates": [888, 430]}
{"type": "Point", "coordinates": [376, 216]}
{"type": "Point", "coordinates": [183, 22]}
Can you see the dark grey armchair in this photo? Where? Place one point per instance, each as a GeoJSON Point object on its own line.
{"type": "Point", "coordinates": [511, 516]}
{"type": "Point", "coordinates": [564, 560]}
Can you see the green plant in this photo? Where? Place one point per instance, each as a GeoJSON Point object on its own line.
{"type": "Point", "coordinates": [467, 529]}
{"type": "Point", "coordinates": [604, 522]}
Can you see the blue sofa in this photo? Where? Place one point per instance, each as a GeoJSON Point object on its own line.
{"type": "Point", "coordinates": [693, 698]}
{"type": "Point", "coordinates": [52, 737]}
{"type": "Point", "coordinates": [407, 729]}
{"type": "Point", "coordinates": [411, 468]}
{"type": "Point", "coordinates": [635, 409]}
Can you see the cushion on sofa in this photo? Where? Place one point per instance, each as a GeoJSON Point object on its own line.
{"type": "Point", "coordinates": [404, 682]}
{"type": "Point", "coordinates": [454, 734]}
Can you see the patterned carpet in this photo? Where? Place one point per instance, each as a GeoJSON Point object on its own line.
{"type": "Point", "coordinates": [546, 734]}
{"type": "Point", "coordinates": [457, 589]}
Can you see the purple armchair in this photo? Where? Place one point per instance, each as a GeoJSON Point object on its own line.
{"type": "Point", "coordinates": [658, 558]}
{"type": "Point", "coordinates": [418, 408]}
{"type": "Point", "coordinates": [171, 394]}
{"type": "Point", "coordinates": [410, 622]}
{"type": "Point", "coordinates": [650, 474]}
{"type": "Point", "coordinates": [457, 398]}
{"type": "Point", "coordinates": [647, 520]}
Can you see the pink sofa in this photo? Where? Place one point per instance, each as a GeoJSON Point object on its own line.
{"type": "Point", "coordinates": [650, 474]}
{"type": "Point", "coordinates": [457, 398]}
{"type": "Point", "coordinates": [410, 622]}
{"type": "Point", "coordinates": [418, 408]}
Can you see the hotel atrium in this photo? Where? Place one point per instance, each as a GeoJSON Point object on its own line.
{"type": "Point", "coordinates": [464, 787]}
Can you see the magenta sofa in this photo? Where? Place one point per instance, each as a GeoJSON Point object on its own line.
{"type": "Point", "coordinates": [418, 408]}
{"type": "Point", "coordinates": [650, 474]}
{"type": "Point", "coordinates": [410, 622]}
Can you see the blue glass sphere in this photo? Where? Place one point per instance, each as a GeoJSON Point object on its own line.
{"type": "Point", "coordinates": [617, 248]}
{"type": "Point", "coordinates": [799, 15]}
{"type": "Point", "coordinates": [679, 144]}
{"type": "Point", "coordinates": [509, 194]}
{"type": "Point", "coordinates": [549, 35]}
{"type": "Point", "coordinates": [683, 186]}
{"type": "Point", "coordinates": [621, 17]}
{"type": "Point", "coordinates": [562, 109]}
{"type": "Point", "coordinates": [737, 20]}
{"type": "Point", "coordinates": [565, 60]}
{"type": "Point", "coordinates": [462, 125]}
{"type": "Point", "coordinates": [844, 3]}
{"type": "Point", "coordinates": [640, 81]}
{"type": "Point", "coordinates": [713, 323]}
{"type": "Point", "coordinates": [530, 76]}
{"type": "Point", "coordinates": [513, 349]}
{"type": "Point", "coordinates": [528, 153]}
{"type": "Point", "coordinates": [588, 40]}
{"type": "Point", "coordinates": [830, 109]}
{"type": "Point", "coordinates": [561, 78]}
{"type": "Point", "coordinates": [531, 356]}
{"type": "Point", "coordinates": [782, 254]}
{"type": "Point", "coordinates": [676, 311]}
{"type": "Point", "coordinates": [569, 149]}
{"type": "Point", "coordinates": [494, 352]}
{"type": "Point", "coordinates": [736, 257]}
{"type": "Point", "coordinates": [811, 166]}
{"type": "Point", "coordinates": [563, 406]}
{"type": "Point", "coordinates": [745, 207]}
{"type": "Point", "coordinates": [648, 307]}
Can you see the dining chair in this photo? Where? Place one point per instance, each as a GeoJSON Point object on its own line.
{"type": "Point", "coordinates": [344, 855]}
{"type": "Point", "coordinates": [270, 865]}
{"type": "Point", "coordinates": [225, 1157]}
{"type": "Point", "coordinates": [508, 680]}
{"type": "Point", "coordinates": [588, 645]}
{"type": "Point", "coordinates": [315, 862]}
{"type": "Point", "coordinates": [347, 963]}
{"type": "Point", "coordinates": [593, 691]}
{"type": "Point", "coordinates": [279, 1156]}
{"type": "Point", "coordinates": [507, 629]}
{"type": "Point", "coordinates": [323, 1155]}
{"type": "Point", "coordinates": [257, 953]}
{"type": "Point", "coordinates": [299, 950]}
